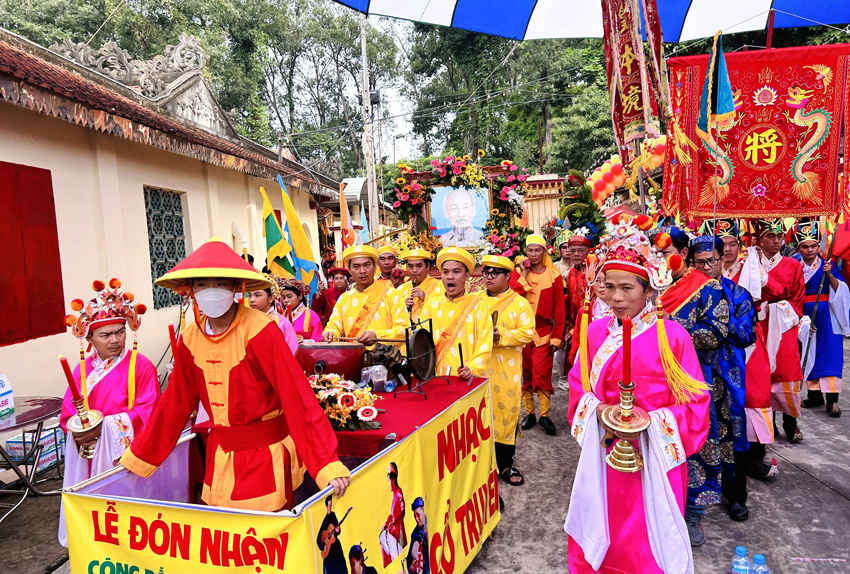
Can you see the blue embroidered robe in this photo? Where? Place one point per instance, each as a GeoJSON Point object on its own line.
{"type": "Point", "coordinates": [705, 316]}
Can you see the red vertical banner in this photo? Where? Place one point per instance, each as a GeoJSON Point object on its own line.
{"type": "Point", "coordinates": [633, 108]}
{"type": "Point", "coordinates": [782, 152]}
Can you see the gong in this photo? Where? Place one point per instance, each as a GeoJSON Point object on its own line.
{"type": "Point", "coordinates": [422, 354]}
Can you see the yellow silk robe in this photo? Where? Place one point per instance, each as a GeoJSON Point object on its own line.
{"type": "Point", "coordinates": [516, 329]}
{"type": "Point", "coordinates": [474, 333]}
{"type": "Point", "coordinates": [381, 317]}
{"type": "Point", "coordinates": [432, 288]}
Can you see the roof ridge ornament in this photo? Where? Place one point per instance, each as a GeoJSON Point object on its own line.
{"type": "Point", "coordinates": [150, 78]}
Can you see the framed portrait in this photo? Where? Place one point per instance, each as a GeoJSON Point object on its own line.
{"type": "Point", "coordinates": [459, 215]}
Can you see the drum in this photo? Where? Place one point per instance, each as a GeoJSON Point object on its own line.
{"type": "Point", "coordinates": [345, 359]}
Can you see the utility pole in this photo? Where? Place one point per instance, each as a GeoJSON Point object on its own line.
{"type": "Point", "coordinates": [368, 138]}
{"type": "Point", "coordinates": [382, 201]}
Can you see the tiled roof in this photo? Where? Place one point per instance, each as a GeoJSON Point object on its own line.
{"type": "Point", "coordinates": [125, 112]}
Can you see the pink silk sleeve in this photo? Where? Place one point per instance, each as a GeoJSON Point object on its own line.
{"type": "Point", "coordinates": [147, 393]}
{"type": "Point", "coordinates": [288, 333]}
{"type": "Point", "coordinates": [596, 333]}
{"type": "Point", "coordinates": [692, 417]}
{"type": "Point", "coordinates": [315, 327]}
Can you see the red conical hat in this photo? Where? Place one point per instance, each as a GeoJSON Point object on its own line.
{"type": "Point", "coordinates": [213, 259]}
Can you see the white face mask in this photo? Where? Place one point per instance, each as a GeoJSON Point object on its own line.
{"type": "Point", "coordinates": [214, 302]}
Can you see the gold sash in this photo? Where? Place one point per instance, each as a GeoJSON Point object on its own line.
{"type": "Point", "coordinates": [449, 335]}
{"type": "Point", "coordinates": [503, 304]}
{"type": "Point", "coordinates": [368, 307]}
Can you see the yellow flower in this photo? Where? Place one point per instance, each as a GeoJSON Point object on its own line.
{"type": "Point", "coordinates": [489, 224]}
{"type": "Point", "coordinates": [400, 181]}
{"type": "Point", "coordinates": [494, 211]}
{"type": "Point", "coordinates": [466, 157]}
{"type": "Point", "coordinates": [481, 153]}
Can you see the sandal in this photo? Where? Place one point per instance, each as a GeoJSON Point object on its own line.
{"type": "Point", "coordinates": [510, 473]}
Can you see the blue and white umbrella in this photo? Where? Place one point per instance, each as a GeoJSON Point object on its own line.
{"type": "Point", "coordinates": [681, 20]}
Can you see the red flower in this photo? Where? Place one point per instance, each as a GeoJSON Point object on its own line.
{"type": "Point", "coordinates": [396, 203]}
{"type": "Point", "coordinates": [347, 400]}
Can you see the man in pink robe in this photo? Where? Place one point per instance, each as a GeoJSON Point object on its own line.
{"type": "Point", "coordinates": [120, 383]}
{"type": "Point", "coordinates": [634, 522]}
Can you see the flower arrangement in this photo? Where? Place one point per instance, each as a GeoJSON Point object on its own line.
{"type": "Point", "coordinates": [346, 406]}
{"type": "Point", "coordinates": [458, 171]}
{"type": "Point", "coordinates": [410, 196]}
{"type": "Point", "coordinates": [503, 236]}
{"type": "Point", "coordinates": [424, 239]}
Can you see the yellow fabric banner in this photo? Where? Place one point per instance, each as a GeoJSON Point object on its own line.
{"type": "Point", "coordinates": [426, 504]}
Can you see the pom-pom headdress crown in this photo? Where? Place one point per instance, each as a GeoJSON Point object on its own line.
{"type": "Point", "coordinates": [109, 305]}
{"type": "Point", "coordinates": [626, 248]}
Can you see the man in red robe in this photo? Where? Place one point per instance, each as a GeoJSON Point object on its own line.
{"type": "Point", "coordinates": [544, 289]}
{"type": "Point", "coordinates": [747, 271]}
{"type": "Point", "coordinates": [576, 287]}
{"type": "Point", "coordinates": [234, 360]}
{"type": "Point", "coordinates": [324, 301]}
{"type": "Point", "coordinates": [780, 325]}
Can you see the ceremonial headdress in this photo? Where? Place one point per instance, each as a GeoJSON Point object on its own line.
{"type": "Point", "coordinates": [356, 251]}
{"type": "Point", "coordinates": [625, 248]}
{"type": "Point", "coordinates": [774, 225]}
{"type": "Point", "coordinates": [294, 285]}
{"type": "Point", "coordinates": [338, 271]}
{"type": "Point", "coordinates": [704, 243]}
{"type": "Point", "coordinates": [807, 230]}
{"type": "Point", "coordinates": [109, 305]}
{"type": "Point", "coordinates": [417, 503]}
{"type": "Point", "coordinates": [580, 237]}
{"type": "Point", "coordinates": [388, 248]}
{"type": "Point", "coordinates": [276, 285]}
{"type": "Point", "coordinates": [535, 239]}
{"type": "Point", "coordinates": [721, 227]}
{"type": "Point", "coordinates": [456, 254]}
{"type": "Point", "coordinates": [563, 236]}
{"type": "Point", "coordinates": [416, 253]}
{"type": "Point", "coordinates": [213, 259]}
{"type": "Point", "coordinates": [497, 261]}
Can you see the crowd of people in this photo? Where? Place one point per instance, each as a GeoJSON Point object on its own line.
{"type": "Point", "coordinates": [722, 333]}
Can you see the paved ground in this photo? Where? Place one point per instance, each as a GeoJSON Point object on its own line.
{"type": "Point", "coordinates": [805, 513]}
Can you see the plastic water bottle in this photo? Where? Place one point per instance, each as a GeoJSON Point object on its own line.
{"type": "Point", "coordinates": [759, 567]}
{"type": "Point", "coordinates": [740, 563]}
{"type": "Point", "coordinates": [390, 386]}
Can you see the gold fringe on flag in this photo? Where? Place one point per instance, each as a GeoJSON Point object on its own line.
{"type": "Point", "coordinates": [680, 144]}
{"type": "Point", "coordinates": [683, 386]}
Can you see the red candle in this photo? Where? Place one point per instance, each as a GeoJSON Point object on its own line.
{"type": "Point", "coordinates": [627, 349]}
{"type": "Point", "coordinates": [173, 336]}
{"type": "Point", "coordinates": [70, 376]}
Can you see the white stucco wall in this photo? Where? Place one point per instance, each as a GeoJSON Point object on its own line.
{"type": "Point", "coordinates": [100, 211]}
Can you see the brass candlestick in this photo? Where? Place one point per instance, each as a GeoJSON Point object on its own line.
{"type": "Point", "coordinates": [83, 421]}
{"type": "Point", "coordinates": [626, 418]}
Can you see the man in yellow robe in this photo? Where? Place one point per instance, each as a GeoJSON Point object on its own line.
{"type": "Point", "coordinates": [387, 262]}
{"type": "Point", "coordinates": [421, 287]}
{"type": "Point", "coordinates": [463, 330]}
{"type": "Point", "coordinates": [513, 328]}
{"type": "Point", "coordinates": [368, 311]}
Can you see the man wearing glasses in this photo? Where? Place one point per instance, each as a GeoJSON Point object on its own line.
{"type": "Point", "coordinates": [513, 329]}
{"type": "Point", "coordinates": [697, 302]}
{"type": "Point", "coordinates": [729, 397]}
